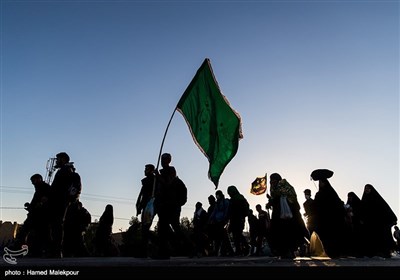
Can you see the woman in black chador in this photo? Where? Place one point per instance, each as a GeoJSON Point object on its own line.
{"type": "Point", "coordinates": [353, 225]}
{"type": "Point", "coordinates": [104, 245]}
{"type": "Point", "coordinates": [330, 213]}
{"type": "Point", "coordinates": [377, 219]}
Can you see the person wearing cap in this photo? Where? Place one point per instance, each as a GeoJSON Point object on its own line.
{"type": "Point", "coordinates": [60, 199]}
{"type": "Point", "coordinates": [308, 210]}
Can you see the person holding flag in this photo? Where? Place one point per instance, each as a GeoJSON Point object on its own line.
{"type": "Point", "coordinates": [170, 196]}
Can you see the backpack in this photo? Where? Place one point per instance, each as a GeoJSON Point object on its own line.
{"type": "Point", "coordinates": [76, 186]}
{"type": "Point", "coordinates": [86, 218]}
{"type": "Point", "coordinates": [245, 208]}
{"type": "Point", "coordinates": [180, 191]}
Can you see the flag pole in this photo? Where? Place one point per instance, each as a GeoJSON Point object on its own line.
{"type": "Point", "coordinates": [150, 205]}
{"type": "Point", "coordinates": [165, 134]}
{"type": "Point", "coordinates": [162, 144]}
{"type": "Point", "coordinates": [166, 130]}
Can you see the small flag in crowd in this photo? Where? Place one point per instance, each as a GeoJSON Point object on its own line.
{"type": "Point", "coordinates": [259, 185]}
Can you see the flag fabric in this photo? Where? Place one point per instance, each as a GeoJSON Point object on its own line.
{"type": "Point", "coordinates": [213, 124]}
{"type": "Point", "coordinates": [259, 186]}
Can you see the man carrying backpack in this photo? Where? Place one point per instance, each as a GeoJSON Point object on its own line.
{"type": "Point", "coordinates": [170, 196]}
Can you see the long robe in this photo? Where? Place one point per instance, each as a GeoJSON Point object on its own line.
{"type": "Point", "coordinates": [377, 219]}
{"type": "Point", "coordinates": [287, 235]}
{"type": "Point", "coordinates": [329, 219]}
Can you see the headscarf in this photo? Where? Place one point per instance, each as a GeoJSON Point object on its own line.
{"type": "Point", "coordinates": [374, 207]}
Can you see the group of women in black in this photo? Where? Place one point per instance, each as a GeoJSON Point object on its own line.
{"type": "Point", "coordinates": [358, 228]}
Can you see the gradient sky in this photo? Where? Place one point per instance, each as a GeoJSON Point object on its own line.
{"type": "Point", "coordinates": [316, 84]}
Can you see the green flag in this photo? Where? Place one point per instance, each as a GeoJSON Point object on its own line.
{"type": "Point", "coordinates": [214, 125]}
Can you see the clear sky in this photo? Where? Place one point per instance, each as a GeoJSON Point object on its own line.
{"type": "Point", "coordinates": [316, 84]}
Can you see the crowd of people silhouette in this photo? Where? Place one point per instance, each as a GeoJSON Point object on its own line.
{"type": "Point", "coordinates": [360, 227]}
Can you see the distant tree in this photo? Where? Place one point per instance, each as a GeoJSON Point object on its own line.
{"type": "Point", "coordinates": [131, 239]}
{"type": "Point", "coordinates": [186, 224]}
{"type": "Point", "coordinates": [133, 220]}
